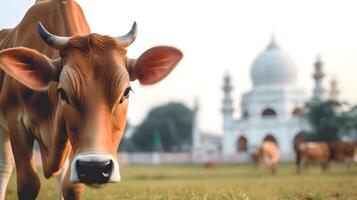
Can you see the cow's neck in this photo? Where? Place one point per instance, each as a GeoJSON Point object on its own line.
{"type": "Point", "coordinates": [63, 18]}
{"type": "Point", "coordinates": [55, 152]}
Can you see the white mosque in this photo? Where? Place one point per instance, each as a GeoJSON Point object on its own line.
{"type": "Point", "coordinates": [272, 110]}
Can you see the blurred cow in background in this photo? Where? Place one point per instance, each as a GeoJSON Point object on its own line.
{"type": "Point", "coordinates": [342, 151]}
{"type": "Point", "coordinates": [267, 156]}
{"type": "Point", "coordinates": [299, 138]}
{"type": "Point", "coordinates": [313, 152]}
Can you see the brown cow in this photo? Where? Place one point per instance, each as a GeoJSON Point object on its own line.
{"type": "Point", "coordinates": [313, 152]}
{"type": "Point", "coordinates": [299, 138]}
{"type": "Point", "coordinates": [70, 94]}
{"type": "Point", "coordinates": [342, 151]}
{"type": "Point", "coordinates": [267, 156]}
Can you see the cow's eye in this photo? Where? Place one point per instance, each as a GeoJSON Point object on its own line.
{"type": "Point", "coordinates": [63, 95]}
{"type": "Point", "coordinates": [126, 94]}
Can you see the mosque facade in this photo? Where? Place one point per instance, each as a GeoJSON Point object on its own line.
{"type": "Point", "coordinates": [272, 110]}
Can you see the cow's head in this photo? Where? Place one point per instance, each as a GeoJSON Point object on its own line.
{"type": "Point", "coordinates": [93, 75]}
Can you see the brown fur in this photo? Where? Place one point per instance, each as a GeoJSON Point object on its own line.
{"type": "Point", "coordinates": [342, 151]}
{"type": "Point", "coordinates": [267, 156]}
{"type": "Point", "coordinates": [313, 152]}
{"type": "Point", "coordinates": [91, 71]}
{"type": "Point", "coordinates": [63, 18]}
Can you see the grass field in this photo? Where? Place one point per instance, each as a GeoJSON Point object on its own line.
{"type": "Point", "coordinates": [241, 182]}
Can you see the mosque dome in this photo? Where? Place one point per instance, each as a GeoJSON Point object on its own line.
{"type": "Point", "coordinates": [273, 67]}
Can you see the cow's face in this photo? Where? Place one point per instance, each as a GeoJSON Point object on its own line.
{"type": "Point", "coordinates": [93, 75]}
{"type": "Point", "coordinates": [94, 87]}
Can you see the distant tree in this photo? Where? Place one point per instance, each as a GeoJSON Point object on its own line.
{"type": "Point", "coordinates": [173, 123]}
{"type": "Point", "coordinates": [327, 119]}
{"type": "Point", "coordinates": [126, 144]}
{"type": "Point", "coordinates": [350, 118]}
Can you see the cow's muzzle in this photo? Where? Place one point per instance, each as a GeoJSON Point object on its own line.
{"type": "Point", "coordinates": [94, 169]}
{"type": "Point", "coordinates": [94, 172]}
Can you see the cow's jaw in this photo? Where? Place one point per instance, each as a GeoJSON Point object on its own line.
{"type": "Point", "coordinates": [91, 161]}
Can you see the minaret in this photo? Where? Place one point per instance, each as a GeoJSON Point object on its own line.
{"type": "Point", "coordinates": [227, 111]}
{"type": "Point", "coordinates": [196, 139]}
{"type": "Point", "coordinates": [334, 89]}
{"type": "Point", "coordinates": [319, 91]}
{"type": "Point", "coordinates": [227, 108]}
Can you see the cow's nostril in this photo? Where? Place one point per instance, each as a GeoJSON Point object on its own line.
{"type": "Point", "coordinates": [90, 172]}
{"type": "Point", "coordinates": [108, 168]}
{"type": "Point", "coordinates": [81, 169]}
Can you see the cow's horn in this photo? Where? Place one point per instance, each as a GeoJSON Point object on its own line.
{"type": "Point", "coordinates": [54, 41]}
{"type": "Point", "coordinates": [129, 38]}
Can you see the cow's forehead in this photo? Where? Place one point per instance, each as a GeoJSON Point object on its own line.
{"type": "Point", "coordinates": [94, 62]}
{"type": "Point", "coordinates": [94, 55]}
{"type": "Point", "coordinates": [103, 73]}
{"type": "Point", "coordinates": [94, 42]}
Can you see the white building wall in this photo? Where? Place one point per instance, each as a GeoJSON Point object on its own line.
{"type": "Point", "coordinates": [283, 127]}
{"type": "Point", "coordinates": [274, 76]}
{"type": "Point", "coordinates": [228, 145]}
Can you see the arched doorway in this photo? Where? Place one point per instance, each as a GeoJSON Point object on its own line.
{"type": "Point", "coordinates": [271, 138]}
{"type": "Point", "coordinates": [242, 144]}
{"type": "Point", "coordinates": [268, 112]}
{"type": "Point", "coordinates": [298, 111]}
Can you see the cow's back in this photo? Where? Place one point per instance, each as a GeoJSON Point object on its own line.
{"type": "Point", "coordinates": [314, 151]}
{"type": "Point", "coordinates": [341, 150]}
{"type": "Point", "coordinates": [60, 17]}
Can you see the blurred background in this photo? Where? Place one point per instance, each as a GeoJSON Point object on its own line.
{"type": "Point", "coordinates": [250, 69]}
{"type": "Point", "coordinates": [276, 72]}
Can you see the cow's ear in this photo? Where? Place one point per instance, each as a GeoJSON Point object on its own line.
{"type": "Point", "coordinates": [154, 64]}
{"type": "Point", "coordinates": [29, 67]}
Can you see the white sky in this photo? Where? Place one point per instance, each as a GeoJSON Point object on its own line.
{"type": "Point", "coordinates": [219, 36]}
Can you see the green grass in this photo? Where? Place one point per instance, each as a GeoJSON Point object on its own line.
{"type": "Point", "coordinates": [241, 182]}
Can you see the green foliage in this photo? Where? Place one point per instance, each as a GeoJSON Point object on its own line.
{"type": "Point", "coordinates": [351, 119]}
{"type": "Point", "coordinates": [173, 122]}
{"type": "Point", "coordinates": [126, 145]}
{"type": "Point", "coordinates": [325, 119]}
{"type": "Point", "coordinates": [329, 120]}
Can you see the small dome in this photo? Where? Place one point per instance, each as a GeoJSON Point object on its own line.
{"type": "Point", "coordinates": [273, 67]}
